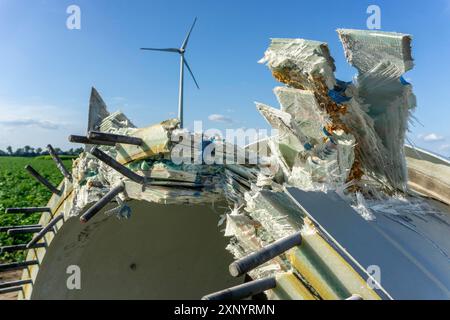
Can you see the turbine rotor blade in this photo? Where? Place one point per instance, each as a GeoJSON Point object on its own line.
{"type": "Point", "coordinates": [163, 49]}
{"type": "Point", "coordinates": [190, 71]}
{"type": "Point", "coordinates": [185, 42]}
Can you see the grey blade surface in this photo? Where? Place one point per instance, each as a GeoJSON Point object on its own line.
{"type": "Point", "coordinates": [414, 263]}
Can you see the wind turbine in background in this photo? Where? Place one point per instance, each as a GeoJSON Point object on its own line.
{"type": "Point", "coordinates": [183, 62]}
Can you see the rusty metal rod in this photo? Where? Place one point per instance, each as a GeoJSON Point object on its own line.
{"type": "Point", "coordinates": [6, 229]}
{"type": "Point", "coordinates": [18, 247]}
{"type": "Point", "coordinates": [28, 210]}
{"type": "Point", "coordinates": [114, 138]}
{"type": "Point", "coordinates": [17, 265]}
{"type": "Point", "coordinates": [86, 140]}
{"type": "Point", "coordinates": [16, 283]}
{"type": "Point", "coordinates": [102, 203]}
{"type": "Point", "coordinates": [117, 166]}
{"type": "Point", "coordinates": [44, 231]}
{"type": "Point", "coordinates": [9, 290]}
{"type": "Point", "coordinates": [12, 232]}
{"type": "Point", "coordinates": [58, 162]}
{"type": "Point", "coordinates": [257, 258]}
{"type": "Point", "coordinates": [244, 290]}
{"type": "Point", "coordinates": [42, 180]}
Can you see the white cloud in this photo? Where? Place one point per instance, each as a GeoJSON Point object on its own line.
{"type": "Point", "coordinates": [37, 124]}
{"type": "Point", "coordinates": [431, 137]}
{"type": "Point", "coordinates": [43, 124]}
{"type": "Point", "coordinates": [220, 118]}
{"type": "Point", "coordinates": [444, 147]}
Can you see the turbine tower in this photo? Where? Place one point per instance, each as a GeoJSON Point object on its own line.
{"type": "Point", "coordinates": [183, 62]}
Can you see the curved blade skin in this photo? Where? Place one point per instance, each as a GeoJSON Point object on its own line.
{"type": "Point", "coordinates": [185, 42]}
{"type": "Point", "coordinates": [190, 71]}
{"type": "Point", "coordinates": [162, 49]}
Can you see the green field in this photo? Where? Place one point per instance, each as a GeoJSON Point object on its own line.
{"type": "Point", "coordinates": [19, 189]}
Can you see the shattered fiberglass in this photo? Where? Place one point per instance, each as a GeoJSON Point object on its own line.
{"type": "Point", "coordinates": [333, 137]}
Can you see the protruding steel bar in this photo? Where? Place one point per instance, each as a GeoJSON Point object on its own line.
{"type": "Point", "coordinates": [58, 162]}
{"type": "Point", "coordinates": [244, 290]}
{"type": "Point", "coordinates": [17, 265]}
{"type": "Point", "coordinates": [117, 166]}
{"type": "Point", "coordinates": [18, 247]}
{"type": "Point", "coordinates": [102, 203]}
{"type": "Point", "coordinates": [6, 229]}
{"type": "Point", "coordinates": [12, 232]}
{"type": "Point", "coordinates": [355, 297]}
{"type": "Point", "coordinates": [15, 283]}
{"type": "Point", "coordinates": [255, 259]}
{"type": "Point", "coordinates": [9, 290]}
{"type": "Point", "coordinates": [28, 210]}
{"type": "Point", "coordinates": [42, 180]}
{"type": "Point", "coordinates": [44, 231]}
{"type": "Point", "coordinates": [86, 140]}
{"type": "Point", "coordinates": [114, 138]}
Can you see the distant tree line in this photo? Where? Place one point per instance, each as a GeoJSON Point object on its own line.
{"type": "Point", "coordinates": [28, 151]}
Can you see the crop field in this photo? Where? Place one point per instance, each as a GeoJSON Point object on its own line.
{"type": "Point", "coordinates": [19, 189]}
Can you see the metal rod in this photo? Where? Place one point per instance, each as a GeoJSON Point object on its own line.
{"type": "Point", "coordinates": [117, 166]}
{"type": "Point", "coordinates": [6, 229]}
{"type": "Point", "coordinates": [257, 258]}
{"type": "Point", "coordinates": [42, 180]}
{"type": "Point", "coordinates": [12, 232]}
{"type": "Point", "coordinates": [17, 265]}
{"type": "Point", "coordinates": [244, 290]}
{"type": "Point", "coordinates": [58, 162]}
{"type": "Point", "coordinates": [86, 140]}
{"type": "Point", "coordinates": [9, 290]}
{"type": "Point", "coordinates": [15, 283]}
{"type": "Point", "coordinates": [114, 138]}
{"type": "Point", "coordinates": [102, 203]}
{"type": "Point", "coordinates": [28, 210]}
{"type": "Point", "coordinates": [44, 231]}
{"type": "Point", "coordinates": [355, 297]}
{"type": "Point", "coordinates": [18, 247]}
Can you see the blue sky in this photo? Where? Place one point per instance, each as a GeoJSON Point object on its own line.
{"type": "Point", "coordinates": [46, 70]}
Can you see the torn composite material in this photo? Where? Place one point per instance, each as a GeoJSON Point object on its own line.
{"type": "Point", "coordinates": [333, 136]}
{"type": "Point", "coordinates": [345, 137]}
